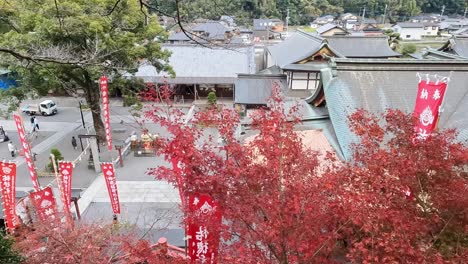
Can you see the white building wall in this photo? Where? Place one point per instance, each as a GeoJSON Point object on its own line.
{"type": "Point", "coordinates": [409, 33]}
{"type": "Point", "coordinates": [416, 33]}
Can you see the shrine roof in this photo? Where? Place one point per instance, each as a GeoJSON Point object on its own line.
{"type": "Point", "coordinates": [376, 85]}
{"type": "Point", "coordinates": [362, 46]}
{"type": "Point", "coordinates": [299, 46]}
{"type": "Point", "coordinates": [457, 45]}
{"type": "Point", "coordinates": [195, 64]}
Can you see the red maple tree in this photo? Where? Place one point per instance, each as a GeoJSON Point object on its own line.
{"type": "Point", "coordinates": [391, 204]}
{"type": "Point", "coordinates": [407, 199]}
{"type": "Point", "coordinates": [88, 243]}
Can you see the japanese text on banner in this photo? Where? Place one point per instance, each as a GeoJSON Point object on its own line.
{"type": "Point", "coordinates": [203, 228]}
{"type": "Point", "coordinates": [105, 105]}
{"type": "Point", "coordinates": [44, 203]}
{"type": "Point", "coordinates": [8, 186]}
{"type": "Point", "coordinates": [26, 150]}
{"type": "Point", "coordinates": [109, 176]}
{"type": "Point", "coordinates": [427, 108]}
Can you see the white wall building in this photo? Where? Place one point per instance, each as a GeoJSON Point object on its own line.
{"type": "Point", "coordinates": [416, 31]}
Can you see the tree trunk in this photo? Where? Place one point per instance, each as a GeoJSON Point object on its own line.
{"type": "Point", "coordinates": [93, 98]}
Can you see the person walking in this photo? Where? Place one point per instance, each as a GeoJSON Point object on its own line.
{"type": "Point", "coordinates": [12, 149]}
{"type": "Point", "coordinates": [35, 124]}
{"type": "Point", "coordinates": [74, 142]}
{"type": "Point", "coordinates": [32, 123]}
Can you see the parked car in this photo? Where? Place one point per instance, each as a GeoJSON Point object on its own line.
{"type": "Point", "coordinates": [45, 108]}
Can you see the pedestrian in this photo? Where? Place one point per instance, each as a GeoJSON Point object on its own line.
{"type": "Point", "coordinates": [12, 149]}
{"type": "Point", "coordinates": [36, 124]}
{"type": "Point", "coordinates": [32, 123]}
{"type": "Point", "coordinates": [74, 142]}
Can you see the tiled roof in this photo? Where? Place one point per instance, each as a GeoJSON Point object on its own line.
{"type": "Point", "coordinates": [299, 46]}
{"type": "Point", "coordinates": [362, 47]}
{"type": "Point", "coordinates": [376, 85]}
{"type": "Point", "coordinates": [198, 64]}
{"type": "Point", "coordinates": [328, 27]}
{"type": "Point", "coordinates": [416, 25]}
{"type": "Point", "coordinates": [457, 45]}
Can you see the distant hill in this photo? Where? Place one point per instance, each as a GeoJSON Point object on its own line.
{"type": "Point", "coordinates": [303, 11]}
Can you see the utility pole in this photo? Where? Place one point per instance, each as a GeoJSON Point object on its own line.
{"type": "Point", "coordinates": [466, 10]}
{"type": "Point", "coordinates": [384, 14]}
{"type": "Point", "coordinates": [363, 14]}
{"type": "Point", "coordinates": [287, 21]}
{"type": "Point", "coordinates": [442, 13]}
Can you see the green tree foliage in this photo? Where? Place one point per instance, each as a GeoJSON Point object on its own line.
{"type": "Point", "coordinates": [69, 44]}
{"type": "Point", "coordinates": [303, 11]}
{"type": "Point", "coordinates": [408, 49]}
{"type": "Point", "coordinates": [7, 254]}
{"type": "Point", "coordinates": [58, 157]}
{"type": "Point", "coordinates": [212, 98]}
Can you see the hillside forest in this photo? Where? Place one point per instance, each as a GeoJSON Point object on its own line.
{"type": "Point", "coordinates": [303, 11]}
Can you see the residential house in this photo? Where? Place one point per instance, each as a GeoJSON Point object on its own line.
{"type": "Point", "coordinates": [200, 70]}
{"type": "Point", "coordinates": [268, 28]}
{"type": "Point", "coordinates": [323, 20]}
{"type": "Point", "coordinates": [331, 30]}
{"type": "Point", "coordinates": [461, 32]}
{"type": "Point", "coordinates": [369, 27]}
{"type": "Point", "coordinates": [348, 21]}
{"type": "Point", "coordinates": [211, 31]}
{"type": "Point", "coordinates": [451, 25]}
{"type": "Point", "coordinates": [456, 46]}
{"type": "Point", "coordinates": [416, 31]}
{"type": "Point", "coordinates": [425, 18]}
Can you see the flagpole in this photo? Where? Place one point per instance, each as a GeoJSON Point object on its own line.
{"type": "Point", "coordinates": [65, 204]}
{"type": "Point", "coordinates": [441, 107]}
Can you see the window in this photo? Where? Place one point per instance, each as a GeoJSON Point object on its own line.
{"type": "Point", "coordinates": [434, 28]}
{"type": "Point", "coordinates": [408, 36]}
{"type": "Point", "coordinates": [425, 28]}
{"type": "Point", "coordinates": [303, 80]}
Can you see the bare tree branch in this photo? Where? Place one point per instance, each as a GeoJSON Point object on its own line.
{"type": "Point", "coordinates": [113, 8]}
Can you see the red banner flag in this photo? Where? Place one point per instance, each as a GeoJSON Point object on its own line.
{"type": "Point", "coordinates": [105, 106]}
{"type": "Point", "coordinates": [44, 203]}
{"type": "Point", "coordinates": [203, 228]}
{"type": "Point", "coordinates": [426, 110]}
{"type": "Point", "coordinates": [27, 151]}
{"type": "Point", "coordinates": [66, 171]}
{"type": "Point", "coordinates": [109, 176]}
{"type": "Point", "coordinates": [8, 186]}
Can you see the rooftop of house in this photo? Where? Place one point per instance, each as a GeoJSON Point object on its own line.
{"type": "Point", "coordinates": [214, 30]}
{"type": "Point", "coordinates": [261, 24]}
{"type": "Point", "coordinates": [328, 27]}
{"type": "Point", "coordinates": [416, 25]}
{"type": "Point", "coordinates": [461, 31]}
{"type": "Point", "coordinates": [377, 85]}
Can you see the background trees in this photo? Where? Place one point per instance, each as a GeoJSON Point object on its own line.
{"type": "Point", "coordinates": [68, 44]}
